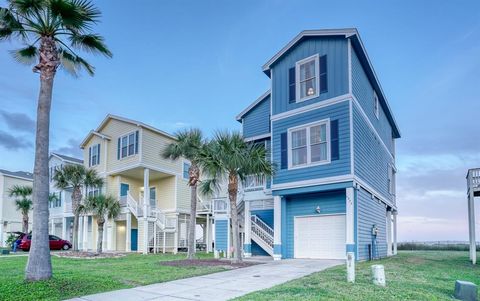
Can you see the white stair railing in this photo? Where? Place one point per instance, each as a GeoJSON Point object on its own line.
{"type": "Point", "coordinates": [132, 204]}
{"type": "Point", "coordinates": [262, 230]}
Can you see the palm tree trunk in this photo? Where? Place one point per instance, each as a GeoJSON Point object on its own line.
{"type": "Point", "coordinates": [25, 223]}
{"type": "Point", "coordinates": [76, 197]}
{"type": "Point", "coordinates": [39, 264]}
{"type": "Point", "coordinates": [193, 222]}
{"type": "Point", "coordinates": [100, 224]}
{"type": "Point", "coordinates": [232, 193]}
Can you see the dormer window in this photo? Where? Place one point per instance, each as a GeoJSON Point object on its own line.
{"type": "Point", "coordinates": [307, 78]}
{"type": "Point", "coordinates": [376, 104]}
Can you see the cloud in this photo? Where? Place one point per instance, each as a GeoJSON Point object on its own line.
{"type": "Point", "coordinates": [13, 143]}
{"type": "Point", "coordinates": [72, 148]}
{"type": "Point", "coordinates": [18, 121]}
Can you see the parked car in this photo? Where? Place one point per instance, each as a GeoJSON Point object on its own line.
{"type": "Point", "coordinates": [56, 243]}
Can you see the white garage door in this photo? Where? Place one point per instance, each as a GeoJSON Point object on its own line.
{"type": "Point", "coordinates": [320, 237]}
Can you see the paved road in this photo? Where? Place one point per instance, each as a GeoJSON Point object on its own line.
{"type": "Point", "coordinates": [219, 286]}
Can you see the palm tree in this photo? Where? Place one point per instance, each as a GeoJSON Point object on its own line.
{"type": "Point", "coordinates": [189, 145]}
{"type": "Point", "coordinates": [76, 177]}
{"type": "Point", "coordinates": [51, 31]}
{"type": "Point", "coordinates": [102, 207]}
{"type": "Point", "coordinates": [23, 202]}
{"type": "Point", "coordinates": [229, 157]}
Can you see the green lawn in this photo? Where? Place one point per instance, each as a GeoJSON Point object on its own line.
{"type": "Point", "coordinates": [77, 277]}
{"type": "Point", "coordinates": [416, 275]}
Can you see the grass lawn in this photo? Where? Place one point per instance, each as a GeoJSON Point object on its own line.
{"type": "Point", "coordinates": [78, 277]}
{"type": "Point", "coordinates": [412, 275]}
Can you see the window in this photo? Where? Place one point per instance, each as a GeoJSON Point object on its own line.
{"type": "Point", "coordinates": [94, 153]}
{"type": "Point", "coordinates": [307, 78]}
{"type": "Point", "coordinates": [391, 179]}
{"type": "Point", "coordinates": [186, 168]}
{"type": "Point", "coordinates": [57, 202]}
{"type": "Point", "coordinates": [376, 104]}
{"type": "Point", "coordinates": [309, 145]}
{"type": "Point", "coordinates": [93, 192]}
{"type": "Point", "coordinates": [128, 145]}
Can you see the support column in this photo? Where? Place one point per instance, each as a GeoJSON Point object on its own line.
{"type": "Point", "coordinates": [64, 228]}
{"type": "Point", "coordinates": [209, 235]}
{"type": "Point", "coordinates": [247, 246]}
{"type": "Point", "coordinates": [2, 242]}
{"type": "Point", "coordinates": [277, 227]}
{"type": "Point", "coordinates": [52, 225]}
{"type": "Point", "coordinates": [146, 199]}
{"type": "Point", "coordinates": [128, 233]}
{"type": "Point", "coordinates": [104, 236]}
{"type": "Point", "coordinates": [85, 233]}
{"type": "Point", "coordinates": [469, 225]}
{"type": "Point", "coordinates": [471, 213]}
{"type": "Point", "coordinates": [80, 233]}
{"type": "Point", "coordinates": [389, 233]}
{"type": "Point", "coordinates": [395, 214]}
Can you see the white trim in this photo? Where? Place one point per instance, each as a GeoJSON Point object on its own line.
{"type": "Point", "coordinates": [307, 128]}
{"type": "Point", "coordinates": [65, 160]}
{"type": "Point", "coordinates": [313, 182]}
{"type": "Point", "coordinates": [143, 165]}
{"type": "Point", "coordinates": [16, 177]}
{"type": "Point", "coordinates": [135, 150]}
{"type": "Point", "coordinates": [376, 105]}
{"type": "Point", "coordinates": [258, 137]}
{"type": "Point", "coordinates": [371, 126]}
{"type": "Point", "coordinates": [311, 107]}
{"type": "Point", "coordinates": [93, 133]}
{"type": "Point", "coordinates": [352, 150]}
{"type": "Point", "coordinates": [316, 59]}
{"type": "Point", "coordinates": [350, 89]}
{"type": "Point", "coordinates": [252, 105]}
{"type": "Point", "coordinates": [374, 192]}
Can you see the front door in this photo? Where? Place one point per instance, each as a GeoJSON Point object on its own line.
{"type": "Point", "coordinates": [124, 188]}
{"type": "Point", "coordinates": [134, 240]}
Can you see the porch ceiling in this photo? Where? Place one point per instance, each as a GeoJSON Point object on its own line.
{"type": "Point", "coordinates": [137, 173]}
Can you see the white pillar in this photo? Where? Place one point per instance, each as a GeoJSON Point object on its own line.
{"type": "Point", "coordinates": [395, 214]}
{"type": "Point", "coordinates": [175, 241]}
{"type": "Point", "coordinates": [104, 235]}
{"type": "Point", "coordinates": [52, 224]}
{"type": "Point", "coordinates": [277, 227]}
{"type": "Point", "coordinates": [208, 241]}
{"type": "Point", "coordinates": [64, 228]}
{"type": "Point", "coordinates": [1, 234]}
{"type": "Point", "coordinates": [389, 233]}
{"type": "Point", "coordinates": [146, 198]}
{"type": "Point", "coordinates": [247, 245]}
{"type": "Point", "coordinates": [473, 243]}
{"type": "Point", "coordinates": [350, 219]}
{"type": "Point", "coordinates": [164, 241]}
{"type": "Point", "coordinates": [469, 225]}
{"type": "Point", "coordinates": [155, 238]}
{"type": "Point", "coordinates": [85, 233]}
{"type": "Point", "coordinates": [229, 237]}
{"type": "Point", "coordinates": [128, 233]}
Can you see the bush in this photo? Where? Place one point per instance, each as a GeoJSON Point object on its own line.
{"type": "Point", "coordinates": [11, 239]}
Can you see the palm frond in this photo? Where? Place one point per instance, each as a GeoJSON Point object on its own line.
{"type": "Point", "coordinates": [20, 191]}
{"type": "Point", "coordinates": [28, 7]}
{"type": "Point", "coordinates": [27, 55]}
{"type": "Point", "coordinates": [73, 63]}
{"type": "Point", "coordinates": [77, 15]}
{"type": "Point", "coordinates": [93, 43]}
{"type": "Point", "coordinates": [9, 25]}
{"type": "Point", "coordinates": [210, 186]}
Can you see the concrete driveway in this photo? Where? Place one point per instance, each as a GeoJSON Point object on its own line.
{"type": "Point", "coordinates": [220, 286]}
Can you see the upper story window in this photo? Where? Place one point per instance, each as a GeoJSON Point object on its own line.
{"type": "Point", "coordinates": [186, 168]}
{"type": "Point", "coordinates": [54, 169]}
{"type": "Point", "coordinates": [127, 145]}
{"type": "Point", "coordinates": [93, 192]}
{"type": "Point", "coordinates": [94, 155]}
{"type": "Point", "coordinates": [308, 78]}
{"type": "Point", "coordinates": [57, 201]}
{"type": "Point", "coordinates": [376, 104]}
{"type": "Point", "coordinates": [309, 145]}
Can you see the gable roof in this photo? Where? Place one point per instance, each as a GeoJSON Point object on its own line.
{"type": "Point", "coordinates": [123, 119]}
{"type": "Point", "coordinates": [253, 105]}
{"type": "Point", "coordinates": [358, 46]}
{"type": "Point", "coordinates": [18, 174]}
{"type": "Point", "coordinates": [67, 158]}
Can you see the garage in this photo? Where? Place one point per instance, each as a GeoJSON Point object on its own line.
{"type": "Point", "coordinates": [320, 236]}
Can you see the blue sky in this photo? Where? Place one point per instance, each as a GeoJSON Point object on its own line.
{"type": "Point", "coordinates": [197, 63]}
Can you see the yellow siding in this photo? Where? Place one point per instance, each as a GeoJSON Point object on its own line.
{"type": "Point", "coordinates": [95, 140]}
{"type": "Point", "coordinates": [116, 129]}
{"type": "Point", "coordinates": [153, 145]}
{"type": "Point", "coordinates": [165, 189]}
{"type": "Point", "coordinates": [183, 195]}
{"type": "Point", "coordinates": [121, 236]}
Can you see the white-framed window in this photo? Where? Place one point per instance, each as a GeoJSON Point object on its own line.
{"type": "Point", "coordinates": [127, 147]}
{"type": "Point", "coordinates": [309, 144]}
{"type": "Point", "coordinates": [307, 79]}
{"type": "Point", "coordinates": [376, 104]}
{"type": "Point", "coordinates": [93, 192]}
{"type": "Point", "coordinates": [94, 155]}
{"type": "Point", "coordinates": [57, 202]}
{"type": "Point", "coordinates": [391, 178]}
{"type": "Point", "coordinates": [186, 168]}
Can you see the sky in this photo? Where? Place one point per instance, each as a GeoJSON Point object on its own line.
{"type": "Point", "coordinates": [181, 64]}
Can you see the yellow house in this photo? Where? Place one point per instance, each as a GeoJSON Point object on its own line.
{"type": "Point", "coordinates": [10, 218]}
{"type": "Point", "coordinates": [153, 191]}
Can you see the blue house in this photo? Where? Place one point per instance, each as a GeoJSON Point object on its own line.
{"type": "Point", "coordinates": [331, 133]}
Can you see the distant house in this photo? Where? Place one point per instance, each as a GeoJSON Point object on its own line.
{"type": "Point", "coordinates": [10, 218]}
{"type": "Point", "coordinates": [329, 129]}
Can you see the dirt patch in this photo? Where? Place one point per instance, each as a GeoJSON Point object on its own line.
{"type": "Point", "coordinates": [415, 260]}
{"type": "Point", "coordinates": [207, 263]}
{"type": "Point", "coordinates": [87, 255]}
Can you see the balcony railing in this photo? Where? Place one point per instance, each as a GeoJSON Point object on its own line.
{"type": "Point", "coordinates": [220, 206]}
{"type": "Point", "coordinates": [253, 182]}
{"type": "Point", "coordinates": [473, 178]}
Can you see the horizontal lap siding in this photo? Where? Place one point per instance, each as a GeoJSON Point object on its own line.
{"type": "Point", "coordinates": [257, 121]}
{"type": "Point", "coordinates": [302, 205]}
{"type": "Point", "coordinates": [337, 70]}
{"type": "Point", "coordinates": [153, 144]}
{"type": "Point", "coordinates": [265, 215]}
{"type": "Point", "coordinates": [221, 234]}
{"type": "Point", "coordinates": [363, 91]}
{"type": "Point", "coordinates": [371, 158]}
{"type": "Point", "coordinates": [370, 212]}
{"type": "Point", "coordinates": [335, 168]}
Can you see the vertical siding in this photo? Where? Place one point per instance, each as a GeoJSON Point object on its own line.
{"type": "Point", "coordinates": [257, 120]}
{"type": "Point", "coordinates": [370, 212]}
{"type": "Point", "coordinates": [337, 70]}
{"type": "Point", "coordinates": [371, 158]}
{"type": "Point", "coordinates": [221, 234]}
{"type": "Point", "coordinates": [301, 205]}
{"type": "Point", "coordinates": [363, 91]}
{"type": "Point", "coordinates": [339, 167]}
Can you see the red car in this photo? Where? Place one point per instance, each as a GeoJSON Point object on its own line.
{"type": "Point", "coordinates": [56, 243]}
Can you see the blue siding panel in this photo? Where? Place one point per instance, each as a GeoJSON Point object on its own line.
{"type": "Point", "coordinates": [332, 202]}
{"type": "Point", "coordinates": [339, 167]}
{"type": "Point", "coordinates": [257, 120]}
{"type": "Point", "coordinates": [370, 212]}
{"type": "Point", "coordinates": [337, 65]}
{"type": "Point", "coordinates": [371, 158]}
{"type": "Point", "coordinates": [265, 215]}
{"type": "Point", "coordinates": [257, 250]}
{"type": "Point", "coordinates": [221, 235]}
{"type": "Point", "coordinates": [363, 91]}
